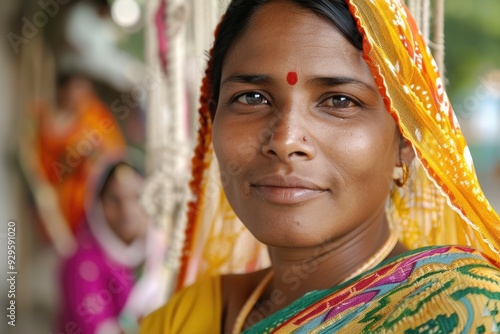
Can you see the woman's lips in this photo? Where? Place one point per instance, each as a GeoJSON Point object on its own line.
{"type": "Point", "coordinates": [286, 190]}
{"type": "Point", "coordinates": [282, 195]}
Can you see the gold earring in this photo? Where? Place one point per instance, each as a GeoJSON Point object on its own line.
{"type": "Point", "coordinates": [400, 174]}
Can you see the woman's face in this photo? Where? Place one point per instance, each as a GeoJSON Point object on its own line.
{"type": "Point", "coordinates": [121, 205]}
{"type": "Point", "coordinates": [305, 145]}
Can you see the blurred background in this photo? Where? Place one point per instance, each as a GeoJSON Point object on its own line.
{"type": "Point", "coordinates": [84, 81]}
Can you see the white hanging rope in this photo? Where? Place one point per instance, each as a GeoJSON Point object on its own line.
{"type": "Point", "coordinates": [205, 15]}
{"type": "Point", "coordinates": [438, 43]}
{"type": "Point", "coordinates": [430, 20]}
{"type": "Point", "coordinates": [168, 141]}
{"type": "Point", "coordinates": [426, 19]}
{"type": "Point", "coordinates": [172, 111]}
{"type": "Point", "coordinates": [168, 131]}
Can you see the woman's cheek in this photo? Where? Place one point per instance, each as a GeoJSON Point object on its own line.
{"type": "Point", "coordinates": [236, 143]}
{"type": "Point", "coordinates": [362, 154]}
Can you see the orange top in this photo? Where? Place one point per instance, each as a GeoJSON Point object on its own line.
{"type": "Point", "coordinates": [66, 156]}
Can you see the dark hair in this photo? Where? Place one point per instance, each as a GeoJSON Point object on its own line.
{"type": "Point", "coordinates": [240, 12]}
{"type": "Point", "coordinates": [110, 172]}
{"type": "Point", "coordinates": [66, 76]}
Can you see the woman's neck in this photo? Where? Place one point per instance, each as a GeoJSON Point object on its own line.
{"type": "Point", "coordinates": [297, 272]}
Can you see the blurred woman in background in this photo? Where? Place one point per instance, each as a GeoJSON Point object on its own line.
{"type": "Point", "coordinates": [98, 280]}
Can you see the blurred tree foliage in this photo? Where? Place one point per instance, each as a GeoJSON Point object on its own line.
{"type": "Point", "coordinates": [134, 43]}
{"type": "Point", "coordinates": [472, 31]}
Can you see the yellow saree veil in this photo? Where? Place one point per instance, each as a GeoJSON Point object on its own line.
{"type": "Point", "coordinates": [443, 202]}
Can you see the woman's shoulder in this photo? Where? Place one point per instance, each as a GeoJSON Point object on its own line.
{"type": "Point", "coordinates": [237, 287]}
{"type": "Point", "coordinates": [441, 262]}
{"type": "Point", "coordinates": [458, 264]}
{"type": "Point", "coordinates": [203, 306]}
{"type": "Point", "coordinates": [450, 286]}
{"type": "Point", "coordinates": [447, 255]}
{"type": "Point", "coordinates": [194, 309]}
{"type": "Point", "coordinates": [87, 251]}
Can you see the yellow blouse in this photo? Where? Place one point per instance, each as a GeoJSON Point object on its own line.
{"type": "Point", "coordinates": [195, 309]}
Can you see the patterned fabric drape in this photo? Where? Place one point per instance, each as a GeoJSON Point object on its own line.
{"type": "Point", "coordinates": [414, 94]}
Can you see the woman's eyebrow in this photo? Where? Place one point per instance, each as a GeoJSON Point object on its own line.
{"type": "Point", "coordinates": [339, 81]}
{"type": "Point", "coordinates": [249, 78]}
{"type": "Point", "coordinates": [315, 81]}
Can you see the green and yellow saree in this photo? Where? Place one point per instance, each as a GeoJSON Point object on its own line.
{"type": "Point", "coordinates": [431, 290]}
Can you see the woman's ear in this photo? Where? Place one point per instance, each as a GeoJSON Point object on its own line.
{"type": "Point", "coordinates": [406, 152]}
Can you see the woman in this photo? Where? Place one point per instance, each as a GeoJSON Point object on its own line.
{"type": "Point", "coordinates": [71, 138]}
{"type": "Point", "coordinates": [99, 282]}
{"type": "Point", "coordinates": [318, 108]}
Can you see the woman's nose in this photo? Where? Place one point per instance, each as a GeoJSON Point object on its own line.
{"type": "Point", "coordinates": [289, 139]}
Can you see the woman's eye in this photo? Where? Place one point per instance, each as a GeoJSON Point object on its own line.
{"type": "Point", "coordinates": [252, 98]}
{"type": "Point", "coordinates": [338, 102]}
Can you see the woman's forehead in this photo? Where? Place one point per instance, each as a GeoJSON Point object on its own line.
{"type": "Point", "coordinates": [282, 39]}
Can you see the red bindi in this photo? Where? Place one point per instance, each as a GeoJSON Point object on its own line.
{"type": "Point", "coordinates": [292, 78]}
